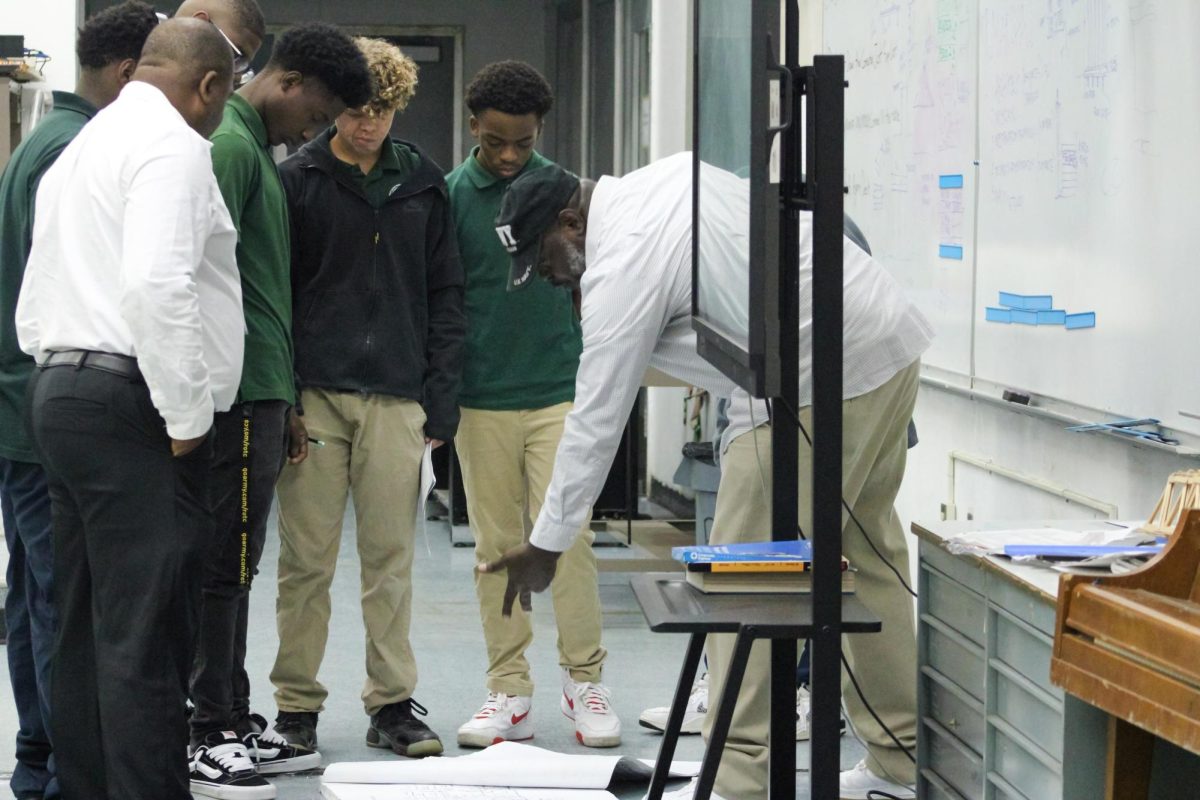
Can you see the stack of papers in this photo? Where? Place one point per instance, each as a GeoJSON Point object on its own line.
{"type": "Point", "coordinates": [505, 771]}
{"type": "Point", "coordinates": [1109, 547]}
{"type": "Point", "coordinates": [989, 543]}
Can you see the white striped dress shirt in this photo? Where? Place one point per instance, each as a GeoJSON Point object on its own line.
{"type": "Point", "coordinates": [637, 312]}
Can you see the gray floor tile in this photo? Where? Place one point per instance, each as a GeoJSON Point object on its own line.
{"type": "Point", "coordinates": [641, 668]}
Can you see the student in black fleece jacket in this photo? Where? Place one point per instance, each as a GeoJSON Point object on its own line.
{"type": "Point", "coordinates": [379, 326]}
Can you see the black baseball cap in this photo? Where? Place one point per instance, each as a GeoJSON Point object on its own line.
{"type": "Point", "coordinates": [529, 208]}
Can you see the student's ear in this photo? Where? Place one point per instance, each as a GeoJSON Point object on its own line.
{"type": "Point", "coordinates": [125, 71]}
{"type": "Point", "coordinates": [290, 80]}
{"type": "Point", "coordinates": [473, 123]}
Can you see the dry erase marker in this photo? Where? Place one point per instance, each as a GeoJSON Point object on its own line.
{"type": "Point", "coordinates": [315, 442]}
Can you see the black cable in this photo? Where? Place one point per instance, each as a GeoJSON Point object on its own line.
{"type": "Point", "coordinates": [858, 690]}
{"type": "Point", "coordinates": [850, 673]}
{"type": "Point", "coordinates": [796, 418]}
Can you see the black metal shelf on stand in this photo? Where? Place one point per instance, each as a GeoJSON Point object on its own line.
{"type": "Point", "coordinates": [764, 359]}
{"type": "Point", "coordinates": [672, 605]}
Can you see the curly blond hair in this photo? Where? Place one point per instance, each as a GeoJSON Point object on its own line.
{"type": "Point", "coordinates": [393, 76]}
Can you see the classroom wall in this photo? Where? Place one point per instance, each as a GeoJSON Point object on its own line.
{"type": "Point", "coordinates": [48, 26]}
{"type": "Point", "coordinates": [491, 31]}
{"type": "Point", "coordinates": [670, 107]}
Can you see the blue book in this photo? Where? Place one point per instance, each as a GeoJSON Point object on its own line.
{"type": "Point", "coordinates": [1078, 550]}
{"type": "Point", "coordinates": [793, 550]}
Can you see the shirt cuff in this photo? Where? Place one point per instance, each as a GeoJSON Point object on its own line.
{"type": "Point", "coordinates": [553, 537]}
{"type": "Point", "coordinates": [189, 425]}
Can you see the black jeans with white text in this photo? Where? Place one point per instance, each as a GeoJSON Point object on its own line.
{"type": "Point", "coordinates": [250, 447]}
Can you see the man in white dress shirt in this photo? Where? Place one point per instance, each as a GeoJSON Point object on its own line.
{"type": "Point", "coordinates": [627, 244]}
{"type": "Point", "coordinates": [131, 305]}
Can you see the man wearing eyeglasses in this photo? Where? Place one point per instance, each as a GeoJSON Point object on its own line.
{"type": "Point", "coordinates": [315, 73]}
{"type": "Point", "coordinates": [239, 21]}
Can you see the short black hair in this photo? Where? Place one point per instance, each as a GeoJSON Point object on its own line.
{"type": "Point", "coordinates": [115, 34]}
{"type": "Point", "coordinates": [321, 51]}
{"type": "Point", "coordinates": [512, 87]}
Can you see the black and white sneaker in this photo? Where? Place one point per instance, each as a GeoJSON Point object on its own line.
{"type": "Point", "coordinates": [274, 755]}
{"type": "Point", "coordinates": [221, 768]}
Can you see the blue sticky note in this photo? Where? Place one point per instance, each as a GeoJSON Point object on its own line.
{"type": "Point", "coordinates": [1084, 319]}
{"type": "Point", "coordinates": [1052, 317]}
{"type": "Point", "coordinates": [950, 251]}
{"type": "Point", "coordinates": [950, 181]}
{"type": "Point", "coordinates": [1024, 316]}
{"type": "Point", "coordinates": [999, 314]}
{"type": "Point", "coordinates": [1029, 302]}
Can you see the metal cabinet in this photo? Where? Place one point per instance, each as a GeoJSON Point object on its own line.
{"type": "Point", "coordinates": [992, 727]}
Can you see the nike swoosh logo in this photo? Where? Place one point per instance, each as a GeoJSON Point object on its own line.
{"type": "Point", "coordinates": [517, 718]}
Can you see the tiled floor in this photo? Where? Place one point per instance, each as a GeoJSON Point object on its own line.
{"type": "Point", "coordinates": [641, 667]}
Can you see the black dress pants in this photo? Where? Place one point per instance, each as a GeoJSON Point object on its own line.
{"type": "Point", "coordinates": [130, 524]}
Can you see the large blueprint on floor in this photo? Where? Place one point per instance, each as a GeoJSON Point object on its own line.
{"type": "Point", "coordinates": [506, 771]}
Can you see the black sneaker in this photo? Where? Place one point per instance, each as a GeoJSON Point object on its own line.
{"type": "Point", "coordinates": [221, 768]}
{"type": "Point", "coordinates": [394, 727]}
{"type": "Point", "coordinates": [435, 509]}
{"type": "Point", "coordinates": [274, 755]}
{"type": "Point", "coordinates": [298, 728]}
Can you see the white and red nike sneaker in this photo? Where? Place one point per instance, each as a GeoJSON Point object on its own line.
{"type": "Point", "coordinates": [590, 705]}
{"type": "Point", "coordinates": [501, 718]}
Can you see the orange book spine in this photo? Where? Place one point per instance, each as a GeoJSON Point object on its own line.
{"type": "Point", "coordinates": [759, 566]}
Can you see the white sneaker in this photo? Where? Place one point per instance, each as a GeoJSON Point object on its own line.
{"type": "Point", "coordinates": [590, 705]}
{"type": "Point", "coordinates": [693, 715]}
{"type": "Point", "coordinates": [501, 718]}
{"type": "Point", "coordinates": [860, 783]}
{"type": "Point", "coordinates": [686, 793]}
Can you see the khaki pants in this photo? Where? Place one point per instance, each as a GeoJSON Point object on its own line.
{"type": "Point", "coordinates": [373, 449]}
{"type": "Point", "coordinates": [874, 451]}
{"type": "Point", "coordinates": [507, 459]}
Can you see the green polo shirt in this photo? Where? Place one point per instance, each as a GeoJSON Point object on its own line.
{"type": "Point", "coordinates": [396, 162]}
{"type": "Point", "coordinates": [522, 347]}
{"type": "Point", "coordinates": [254, 194]}
{"type": "Point", "coordinates": [18, 187]}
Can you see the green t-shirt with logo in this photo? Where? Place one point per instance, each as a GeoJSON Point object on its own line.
{"type": "Point", "coordinates": [523, 346]}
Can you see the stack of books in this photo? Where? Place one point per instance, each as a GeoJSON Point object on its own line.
{"type": "Point", "coordinates": [753, 567]}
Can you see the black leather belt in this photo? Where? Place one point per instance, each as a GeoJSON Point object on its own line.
{"type": "Point", "coordinates": [125, 366]}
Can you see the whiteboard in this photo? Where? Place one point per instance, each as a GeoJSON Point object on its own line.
{"type": "Point", "coordinates": [1076, 126]}
{"type": "Point", "coordinates": [910, 118]}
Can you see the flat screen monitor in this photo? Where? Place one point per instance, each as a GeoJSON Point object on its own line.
{"type": "Point", "coordinates": [735, 248]}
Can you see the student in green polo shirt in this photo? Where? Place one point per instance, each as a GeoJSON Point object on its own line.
{"type": "Point", "coordinates": [108, 47]}
{"type": "Point", "coordinates": [314, 73]}
{"type": "Point", "coordinates": [518, 385]}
